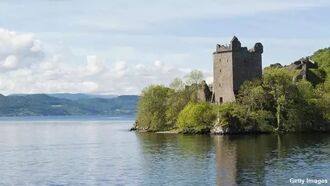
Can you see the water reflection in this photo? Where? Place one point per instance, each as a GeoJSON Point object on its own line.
{"type": "Point", "coordinates": [240, 159]}
{"type": "Point", "coordinates": [106, 153]}
{"type": "Point", "coordinates": [231, 160]}
{"type": "Point", "coordinates": [176, 159]}
{"type": "Point", "coordinates": [261, 159]}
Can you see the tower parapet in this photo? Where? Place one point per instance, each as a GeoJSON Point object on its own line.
{"type": "Point", "coordinates": [235, 46]}
{"type": "Point", "coordinates": [223, 48]}
{"type": "Point", "coordinates": [258, 48]}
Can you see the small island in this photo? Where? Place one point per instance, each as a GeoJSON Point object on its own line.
{"type": "Point", "coordinates": [244, 98]}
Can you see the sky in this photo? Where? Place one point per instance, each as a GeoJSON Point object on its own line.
{"type": "Point", "coordinates": [121, 46]}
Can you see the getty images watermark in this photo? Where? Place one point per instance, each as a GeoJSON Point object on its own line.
{"type": "Point", "coordinates": [303, 181]}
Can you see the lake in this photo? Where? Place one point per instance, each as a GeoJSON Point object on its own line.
{"type": "Point", "coordinates": [101, 151]}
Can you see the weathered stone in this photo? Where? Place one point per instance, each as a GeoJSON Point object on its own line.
{"type": "Point", "coordinates": [276, 65]}
{"type": "Point", "coordinates": [303, 64]}
{"type": "Point", "coordinates": [232, 66]}
{"type": "Point", "coordinates": [203, 93]}
{"type": "Point", "coordinates": [217, 130]}
{"type": "Point", "coordinates": [135, 126]}
{"type": "Point", "coordinates": [221, 130]}
{"type": "Point", "coordinates": [302, 75]}
{"type": "Point", "coordinates": [133, 129]}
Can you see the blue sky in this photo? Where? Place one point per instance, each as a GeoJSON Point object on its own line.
{"type": "Point", "coordinates": [121, 46]}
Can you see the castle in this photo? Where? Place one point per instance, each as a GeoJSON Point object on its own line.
{"type": "Point", "coordinates": [232, 65]}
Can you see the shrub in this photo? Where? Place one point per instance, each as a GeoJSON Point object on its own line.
{"type": "Point", "coordinates": [196, 118]}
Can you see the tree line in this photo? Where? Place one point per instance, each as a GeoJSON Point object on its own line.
{"type": "Point", "coordinates": [274, 103]}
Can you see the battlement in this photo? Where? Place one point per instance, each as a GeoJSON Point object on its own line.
{"type": "Point", "coordinates": [223, 48]}
{"type": "Point", "coordinates": [235, 46]}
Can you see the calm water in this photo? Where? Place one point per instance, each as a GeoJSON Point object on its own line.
{"type": "Point", "coordinates": [89, 152]}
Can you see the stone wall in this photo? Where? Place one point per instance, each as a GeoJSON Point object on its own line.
{"type": "Point", "coordinates": [204, 93]}
{"type": "Point", "coordinates": [223, 77]}
{"type": "Point", "coordinates": [247, 65]}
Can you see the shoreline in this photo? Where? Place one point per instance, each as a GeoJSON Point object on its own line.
{"type": "Point", "coordinates": [228, 134]}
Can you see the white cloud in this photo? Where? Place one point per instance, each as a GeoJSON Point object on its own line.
{"type": "Point", "coordinates": [53, 73]}
{"type": "Point", "coordinates": [10, 62]}
{"type": "Point", "coordinates": [120, 69]}
{"type": "Point", "coordinates": [90, 86]}
{"type": "Point", "coordinates": [18, 50]}
{"type": "Point", "coordinates": [94, 66]}
{"type": "Point", "coordinates": [37, 46]}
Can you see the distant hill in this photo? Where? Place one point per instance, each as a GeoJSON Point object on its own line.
{"type": "Point", "coordinates": [72, 96]}
{"type": "Point", "coordinates": [66, 104]}
{"type": "Point", "coordinates": [80, 96]}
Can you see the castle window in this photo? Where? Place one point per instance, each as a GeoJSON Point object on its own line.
{"type": "Point", "coordinates": [220, 85]}
{"type": "Point", "coordinates": [221, 100]}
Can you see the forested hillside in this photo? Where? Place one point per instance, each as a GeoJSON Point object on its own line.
{"type": "Point", "coordinates": [45, 105]}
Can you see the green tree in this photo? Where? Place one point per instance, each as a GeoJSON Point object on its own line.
{"type": "Point", "coordinates": [152, 108]}
{"type": "Point", "coordinates": [177, 84]}
{"type": "Point", "coordinates": [323, 93]}
{"type": "Point", "coordinates": [194, 77]}
{"type": "Point", "coordinates": [322, 57]}
{"type": "Point", "coordinates": [196, 118]}
{"type": "Point", "coordinates": [176, 103]}
{"type": "Point", "coordinates": [278, 83]}
{"type": "Point", "coordinates": [306, 90]}
{"type": "Point", "coordinates": [253, 95]}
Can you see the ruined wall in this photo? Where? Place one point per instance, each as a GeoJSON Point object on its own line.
{"type": "Point", "coordinates": [204, 93]}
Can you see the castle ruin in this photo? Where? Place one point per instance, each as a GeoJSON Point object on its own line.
{"type": "Point", "coordinates": [232, 65]}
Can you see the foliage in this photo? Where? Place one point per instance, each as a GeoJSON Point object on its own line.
{"type": "Point", "coordinates": [177, 100]}
{"type": "Point", "coordinates": [177, 84]}
{"type": "Point", "coordinates": [253, 95]}
{"type": "Point", "coordinates": [159, 106]}
{"type": "Point", "coordinates": [237, 118]}
{"type": "Point", "coordinates": [279, 103]}
{"type": "Point", "coordinates": [196, 118]}
{"type": "Point", "coordinates": [322, 57]}
{"type": "Point", "coordinates": [194, 77]}
{"type": "Point", "coordinates": [278, 84]}
{"type": "Point", "coordinates": [282, 104]}
{"type": "Point", "coordinates": [274, 103]}
{"type": "Point", "coordinates": [152, 108]}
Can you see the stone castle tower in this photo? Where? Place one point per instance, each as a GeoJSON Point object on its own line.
{"type": "Point", "coordinates": [232, 65]}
